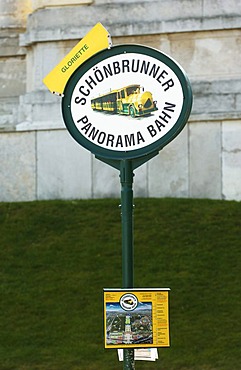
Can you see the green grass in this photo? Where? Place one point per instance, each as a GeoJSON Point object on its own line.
{"type": "Point", "coordinates": [57, 256]}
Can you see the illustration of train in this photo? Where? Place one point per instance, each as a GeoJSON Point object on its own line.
{"type": "Point", "coordinates": [129, 100]}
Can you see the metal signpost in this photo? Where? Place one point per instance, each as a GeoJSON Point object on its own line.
{"type": "Point", "coordinates": [124, 104]}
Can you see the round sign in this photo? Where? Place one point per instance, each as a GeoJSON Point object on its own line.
{"type": "Point", "coordinates": [126, 102]}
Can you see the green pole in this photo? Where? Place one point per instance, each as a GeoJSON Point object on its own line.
{"type": "Point", "coordinates": [126, 178]}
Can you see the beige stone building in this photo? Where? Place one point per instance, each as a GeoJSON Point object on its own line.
{"type": "Point", "coordinates": [39, 159]}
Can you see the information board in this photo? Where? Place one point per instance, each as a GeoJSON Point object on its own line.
{"type": "Point", "coordinates": [136, 318]}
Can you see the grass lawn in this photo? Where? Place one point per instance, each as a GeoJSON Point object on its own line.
{"type": "Point", "coordinates": [57, 256]}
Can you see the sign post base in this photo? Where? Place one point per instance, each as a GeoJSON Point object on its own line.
{"type": "Point", "coordinates": [128, 359]}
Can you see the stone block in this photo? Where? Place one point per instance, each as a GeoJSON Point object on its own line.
{"type": "Point", "coordinates": [12, 77]}
{"type": "Point", "coordinates": [13, 13]}
{"type": "Point", "coordinates": [64, 167]}
{"type": "Point", "coordinates": [106, 181]}
{"type": "Point", "coordinates": [39, 110]}
{"type": "Point", "coordinates": [155, 41]}
{"type": "Point", "coordinates": [9, 43]}
{"type": "Point", "coordinates": [231, 160]}
{"type": "Point", "coordinates": [208, 55]}
{"type": "Point", "coordinates": [205, 160]}
{"type": "Point", "coordinates": [47, 112]}
{"type": "Point", "coordinates": [216, 100]}
{"type": "Point", "coordinates": [216, 8]}
{"type": "Point", "coordinates": [168, 172]}
{"type": "Point", "coordinates": [8, 113]}
{"type": "Point", "coordinates": [140, 181]}
{"type": "Point", "coordinates": [18, 167]}
{"type": "Point", "coordinates": [213, 103]}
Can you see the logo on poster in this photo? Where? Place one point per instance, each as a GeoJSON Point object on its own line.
{"type": "Point", "coordinates": [128, 302]}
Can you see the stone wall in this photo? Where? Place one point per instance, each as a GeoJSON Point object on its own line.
{"type": "Point", "coordinates": [39, 159]}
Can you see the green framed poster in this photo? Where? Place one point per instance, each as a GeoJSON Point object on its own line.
{"type": "Point", "coordinates": [126, 102]}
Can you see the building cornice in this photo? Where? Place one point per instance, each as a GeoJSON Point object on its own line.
{"type": "Point", "coordinates": [131, 18]}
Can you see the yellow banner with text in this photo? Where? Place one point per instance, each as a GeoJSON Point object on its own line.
{"type": "Point", "coordinates": [96, 40]}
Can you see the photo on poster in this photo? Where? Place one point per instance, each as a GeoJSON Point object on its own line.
{"type": "Point", "coordinates": [129, 326]}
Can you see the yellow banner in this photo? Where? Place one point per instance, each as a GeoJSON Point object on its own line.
{"type": "Point", "coordinates": [96, 40]}
{"type": "Point", "coordinates": [136, 318]}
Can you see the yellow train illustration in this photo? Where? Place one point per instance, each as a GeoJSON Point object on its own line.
{"type": "Point", "coordinates": [130, 100]}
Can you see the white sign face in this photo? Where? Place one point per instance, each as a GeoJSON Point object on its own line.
{"type": "Point", "coordinates": [126, 102]}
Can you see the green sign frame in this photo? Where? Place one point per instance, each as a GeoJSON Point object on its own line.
{"type": "Point", "coordinates": [146, 151]}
